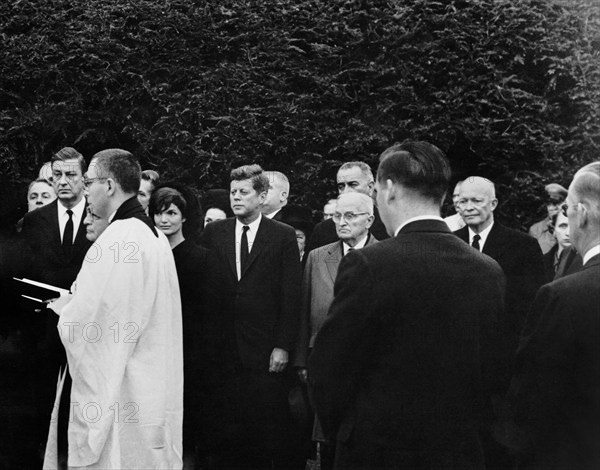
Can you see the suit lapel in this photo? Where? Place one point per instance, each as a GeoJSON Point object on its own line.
{"type": "Point", "coordinates": [52, 220]}
{"type": "Point", "coordinates": [227, 237]}
{"type": "Point", "coordinates": [259, 243]}
{"type": "Point", "coordinates": [80, 236]}
{"type": "Point", "coordinates": [334, 257]}
{"type": "Point", "coordinates": [494, 245]}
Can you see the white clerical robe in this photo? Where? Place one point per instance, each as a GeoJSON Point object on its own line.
{"type": "Point", "coordinates": [122, 333]}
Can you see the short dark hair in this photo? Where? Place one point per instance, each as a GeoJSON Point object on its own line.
{"type": "Point", "coordinates": [121, 166]}
{"type": "Point", "coordinates": [417, 165]}
{"type": "Point", "coordinates": [162, 199]}
{"type": "Point", "coordinates": [69, 153]}
{"type": "Point", "coordinates": [254, 173]}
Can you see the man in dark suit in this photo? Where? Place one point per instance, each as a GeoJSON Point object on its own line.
{"type": "Point", "coordinates": [555, 393]}
{"type": "Point", "coordinates": [56, 243]}
{"type": "Point", "coordinates": [400, 369]}
{"type": "Point", "coordinates": [520, 257]}
{"type": "Point", "coordinates": [257, 265]}
{"type": "Point", "coordinates": [351, 177]}
{"type": "Point", "coordinates": [518, 254]}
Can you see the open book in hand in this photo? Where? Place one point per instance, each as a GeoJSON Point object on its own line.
{"type": "Point", "coordinates": [39, 291]}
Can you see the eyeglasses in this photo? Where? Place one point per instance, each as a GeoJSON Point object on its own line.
{"type": "Point", "coordinates": [348, 216]}
{"type": "Point", "coordinates": [88, 181]}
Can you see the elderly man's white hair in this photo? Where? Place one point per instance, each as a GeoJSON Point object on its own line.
{"type": "Point", "coordinates": [363, 202]}
{"type": "Point", "coordinates": [480, 183]}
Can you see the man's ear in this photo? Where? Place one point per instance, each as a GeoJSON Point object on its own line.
{"type": "Point", "coordinates": [494, 204]}
{"type": "Point", "coordinates": [262, 197]}
{"type": "Point", "coordinates": [391, 189]}
{"type": "Point", "coordinates": [112, 186]}
{"type": "Point", "coordinates": [582, 215]}
{"type": "Point", "coordinates": [283, 195]}
{"type": "Point", "coordinates": [371, 186]}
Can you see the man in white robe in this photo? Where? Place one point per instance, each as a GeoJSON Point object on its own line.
{"type": "Point", "coordinates": [122, 332]}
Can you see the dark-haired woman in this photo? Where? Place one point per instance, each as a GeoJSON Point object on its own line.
{"type": "Point", "coordinates": [169, 210]}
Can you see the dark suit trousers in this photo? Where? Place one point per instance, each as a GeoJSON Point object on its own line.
{"type": "Point", "coordinates": [255, 422]}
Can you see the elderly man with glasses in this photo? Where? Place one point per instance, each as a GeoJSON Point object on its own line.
{"type": "Point", "coordinates": [353, 217]}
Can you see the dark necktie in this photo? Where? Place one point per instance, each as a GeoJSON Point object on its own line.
{"type": "Point", "coordinates": [557, 260]}
{"type": "Point", "coordinates": [349, 250]}
{"type": "Point", "coordinates": [244, 249]}
{"type": "Point", "coordinates": [67, 241]}
{"type": "Point", "coordinates": [475, 243]}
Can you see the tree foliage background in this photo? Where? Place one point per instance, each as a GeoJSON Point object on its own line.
{"type": "Point", "coordinates": [510, 89]}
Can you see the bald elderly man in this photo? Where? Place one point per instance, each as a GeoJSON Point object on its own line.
{"type": "Point", "coordinates": [277, 196]}
{"type": "Point", "coordinates": [520, 257]}
{"type": "Point", "coordinates": [518, 254]}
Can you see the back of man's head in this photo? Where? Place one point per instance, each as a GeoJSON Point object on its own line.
{"type": "Point", "coordinates": [254, 173]}
{"type": "Point", "coordinates": [586, 190]}
{"type": "Point", "coordinates": [417, 166]}
{"type": "Point", "coordinates": [121, 166]}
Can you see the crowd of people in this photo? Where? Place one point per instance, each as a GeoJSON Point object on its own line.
{"type": "Point", "coordinates": [245, 336]}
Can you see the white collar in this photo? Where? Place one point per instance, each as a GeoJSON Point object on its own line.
{"type": "Point", "coordinates": [358, 246]}
{"type": "Point", "coordinates": [272, 214]}
{"type": "Point", "coordinates": [483, 235]}
{"type": "Point", "coordinates": [253, 225]}
{"type": "Point", "coordinates": [593, 251]}
{"type": "Point", "coordinates": [77, 209]}
{"type": "Point", "coordinates": [418, 217]}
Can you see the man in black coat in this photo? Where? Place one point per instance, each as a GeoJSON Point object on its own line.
{"type": "Point", "coordinates": [56, 246]}
{"type": "Point", "coordinates": [518, 254]}
{"type": "Point", "coordinates": [555, 393]}
{"type": "Point", "coordinates": [520, 257]}
{"type": "Point", "coordinates": [351, 177]}
{"type": "Point", "coordinates": [257, 266]}
{"type": "Point", "coordinates": [401, 369]}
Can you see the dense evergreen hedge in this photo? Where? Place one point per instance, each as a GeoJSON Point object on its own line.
{"type": "Point", "coordinates": [510, 89]}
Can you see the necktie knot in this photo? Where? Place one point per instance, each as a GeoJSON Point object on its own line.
{"type": "Point", "coordinates": [475, 243]}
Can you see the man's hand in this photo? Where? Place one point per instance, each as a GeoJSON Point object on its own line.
{"type": "Point", "coordinates": [278, 361]}
{"type": "Point", "coordinates": [302, 375]}
{"type": "Point", "coordinates": [58, 304]}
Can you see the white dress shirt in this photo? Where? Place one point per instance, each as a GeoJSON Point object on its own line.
{"type": "Point", "coordinates": [272, 214]}
{"type": "Point", "coordinates": [251, 234]}
{"type": "Point", "coordinates": [593, 251]}
{"type": "Point", "coordinates": [483, 236]}
{"type": "Point", "coordinates": [419, 217]}
{"type": "Point", "coordinates": [63, 217]}
{"type": "Point", "coordinates": [358, 246]}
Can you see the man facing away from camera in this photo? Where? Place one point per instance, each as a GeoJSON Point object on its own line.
{"type": "Point", "coordinates": [400, 370]}
{"type": "Point", "coordinates": [121, 329]}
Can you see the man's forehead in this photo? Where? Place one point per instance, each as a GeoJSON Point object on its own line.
{"type": "Point", "coordinates": [241, 184]}
{"type": "Point", "coordinates": [66, 165]}
{"type": "Point", "coordinates": [353, 173]}
{"type": "Point", "coordinates": [39, 187]}
{"type": "Point", "coordinates": [349, 206]}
